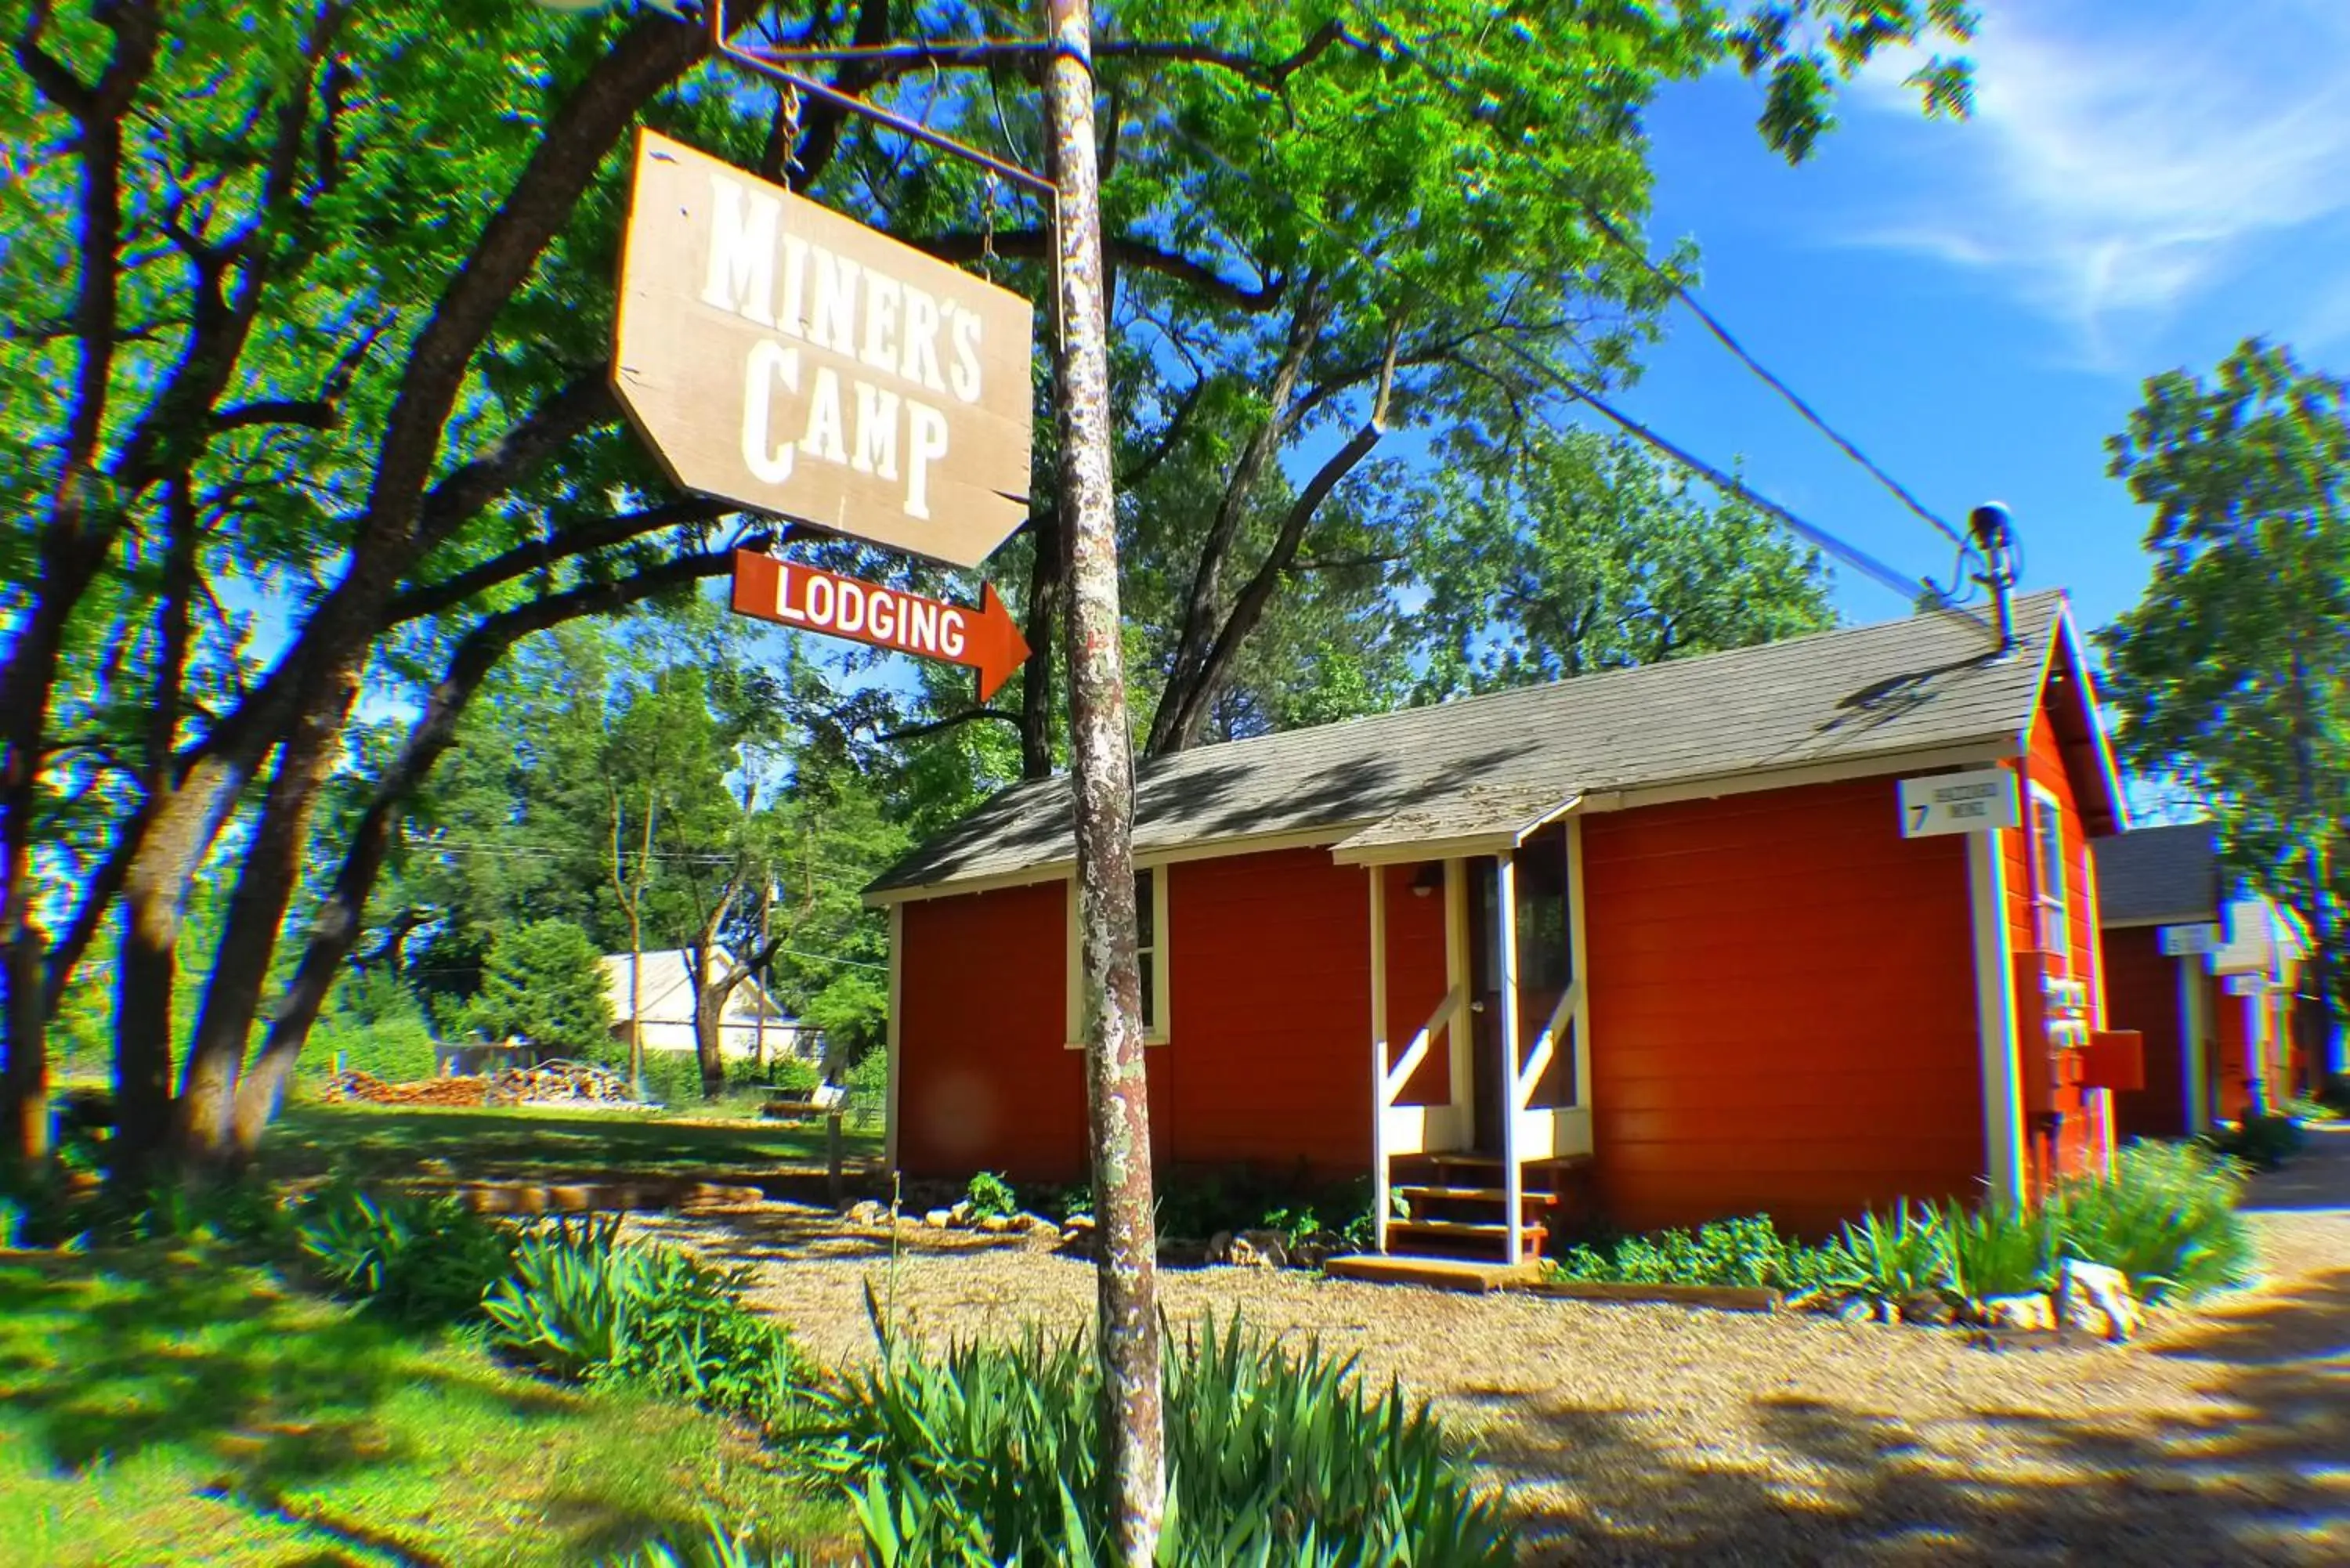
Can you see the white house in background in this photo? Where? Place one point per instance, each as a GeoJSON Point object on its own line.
{"type": "Point", "coordinates": [753, 1026]}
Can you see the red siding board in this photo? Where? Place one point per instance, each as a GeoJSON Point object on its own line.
{"type": "Point", "coordinates": [1268, 959]}
{"type": "Point", "coordinates": [986, 1080]}
{"type": "Point", "coordinates": [1782, 1008]}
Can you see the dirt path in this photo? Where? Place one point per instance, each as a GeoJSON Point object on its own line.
{"type": "Point", "coordinates": [1657, 1435]}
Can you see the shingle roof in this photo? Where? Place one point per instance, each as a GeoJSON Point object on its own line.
{"type": "Point", "coordinates": [1900, 687]}
{"type": "Point", "coordinates": [2160, 874]}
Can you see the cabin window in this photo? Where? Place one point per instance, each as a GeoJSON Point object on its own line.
{"type": "Point", "coordinates": [1151, 944]}
{"type": "Point", "coordinates": [2051, 887]}
{"type": "Point", "coordinates": [1147, 950]}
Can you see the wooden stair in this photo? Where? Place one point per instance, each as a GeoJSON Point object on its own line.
{"type": "Point", "coordinates": [1455, 1205]}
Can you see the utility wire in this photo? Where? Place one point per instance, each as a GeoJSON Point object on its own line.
{"type": "Point", "coordinates": [1722, 335]}
{"type": "Point", "coordinates": [1916, 590]}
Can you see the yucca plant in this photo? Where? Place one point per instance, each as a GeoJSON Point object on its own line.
{"type": "Point", "coordinates": [2164, 1215]}
{"type": "Point", "coordinates": [419, 1260]}
{"type": "Point", "coordinates": [580, 1304]}
{"type": "Point", "coordinates": [561, 1306]}
{"type": "Point", "coordinates": [1999, 1249]}
{"type": "Point", "coordinates": [1891, 1261]}
{"type": "Point", "coordinates": [717, 1547]}
{"type": "Point", "coordinates": [990, 1454]}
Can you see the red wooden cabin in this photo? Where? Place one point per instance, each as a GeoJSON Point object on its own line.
{"type": "Point", "coordinates": [2207, 971]}
{"type": "Point", "coordinates": [1655, 934]}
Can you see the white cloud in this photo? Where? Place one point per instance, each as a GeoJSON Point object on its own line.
{"type": "Point", "coordinates": [2124, 156]}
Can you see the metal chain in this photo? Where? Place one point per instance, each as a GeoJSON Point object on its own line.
{"type": "Point", "coordinates": [790, 105]}
{"type": "Point", "coordinates": [987, 228]}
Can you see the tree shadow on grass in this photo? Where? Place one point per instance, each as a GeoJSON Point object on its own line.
{"type": "Point", "coordinates": [153, 1349]}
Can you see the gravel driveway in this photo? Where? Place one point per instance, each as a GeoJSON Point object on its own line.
{"type": "Point", "coordinates": [1664, 1435]}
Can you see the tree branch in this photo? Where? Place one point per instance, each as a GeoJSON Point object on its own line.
{"type": "Point", "coordinates": [597, 533]}
{"type": "Point", "coordinates": [962, 246]}
{"type": "Point", "coordinates": [1183, 726]}
{"type": "Point", "coordinates": [312, 413]}
{"type": "Point", "coordinates": [951, 721]}
{"type": "Point", "coordinates": [581, 404]}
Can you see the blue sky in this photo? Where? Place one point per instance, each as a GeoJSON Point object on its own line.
{"type": "Point", "coordinates": [1977, 304]}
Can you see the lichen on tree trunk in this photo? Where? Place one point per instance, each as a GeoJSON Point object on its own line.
{"type": "Point", "coordinates": [1102, 796]}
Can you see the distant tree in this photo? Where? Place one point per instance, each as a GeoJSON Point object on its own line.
{"type": "Point", "coordinates": [1577, 553]}
{"type": "Point", "coordinates": [545, 982]}
{"type": "Point", "coordinates": [2234, 672]}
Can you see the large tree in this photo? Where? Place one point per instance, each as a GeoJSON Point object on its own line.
{"type": "Point", "coordinates": [312, 303]}
{"type": "Point", "coordinates": [2232, 674]}
{"type": "Point", "coordinates": [1573, 552]}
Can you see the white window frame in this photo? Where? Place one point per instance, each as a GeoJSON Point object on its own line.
{"type": "Point", "coordinates": [2046, 857]}
{"type": "Point", "coordinates": [1156, 1033]}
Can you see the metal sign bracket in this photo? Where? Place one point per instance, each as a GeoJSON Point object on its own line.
{"type": "Point", "coordinates": [778, 65]}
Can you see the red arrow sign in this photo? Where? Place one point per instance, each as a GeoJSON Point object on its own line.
{"type": "Point", "coordinates": [809, 599]}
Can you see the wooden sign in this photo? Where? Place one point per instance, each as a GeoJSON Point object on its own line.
{"type": "Point", "coordinates": [809, 599]}
{"type": "Point", "coordinates": [779, 356]}
{"type": "Point", "coordinates": [1959, 803]}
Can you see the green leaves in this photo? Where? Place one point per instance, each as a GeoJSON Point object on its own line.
{"type": "Point", "coordinates": [1577, 553]}
{"type": "Point", "coordinates": [545, 982]}
{"type": "Point", "coordinates": [990, 1454]}
{"type": "Point", "coordinates": [2232, 674]}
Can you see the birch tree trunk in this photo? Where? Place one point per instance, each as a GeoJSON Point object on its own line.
{"type": "Point", "coordinates": [1102, 795]}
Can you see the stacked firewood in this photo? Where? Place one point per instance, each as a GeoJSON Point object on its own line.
{"type": "Point", "coordinates": [560, 1083]}
{"type": "Point", "coordinates": [367, 1086]}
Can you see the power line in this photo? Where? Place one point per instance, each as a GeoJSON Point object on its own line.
{"type": "Point", "coordinates": [1916, 590]}
{"type": "Point", "coordinates": [1722, 334]}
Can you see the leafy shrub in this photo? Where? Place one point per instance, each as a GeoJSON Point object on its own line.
{"type": "Point", "coordinates": [1749, 1251]}
{"type": "Point", "coordinates": [2262, 1142]}
{"type": "Point", "coordinates": [1195, 1204]}
{"type": "Point", "coordinates": [416, 1260]}
{"type": "Point", "coordinates": [1896, 1259]}
{"type": "Point", "coordinates": [990, 1196]}
{"type": "Point", "coordinates": [789, 1074]}
{"type": "Point", "coordinates": [1998, 1250]}
{"type": "Point", "coordinates": [991, 1454]}
{"type": "Point", "coordinates": [868, 1083]}
{"type": "Point", "coordinates": [581, 1305]}
{"type": "Point", "coordinates": [2164, 1215]}
{"type": "Point", "coordinates": [2334, 1093]}
{"type": "Point", "coordinates": [543, 982]}
{"type": "Point", "coordinates": [2306, 1109]}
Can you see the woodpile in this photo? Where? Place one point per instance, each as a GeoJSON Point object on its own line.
{"type": "Point", "coordinates": [549, 1083]}
{"type": "Point", "coordinates": [374, 1090]}
{"type": "Point", "coordinates": [560, 1083]}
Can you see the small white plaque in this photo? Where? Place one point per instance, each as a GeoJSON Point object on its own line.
{"type": "Point", "coordinates": [1959, 803]}
{"type": "Point", "coordinates": [2247, 984]}
{"type": "Point", "coordinates": [2188, 941]}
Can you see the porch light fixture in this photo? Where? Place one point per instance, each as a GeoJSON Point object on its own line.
{"type": "Point", "coordinates": [1428, 878]}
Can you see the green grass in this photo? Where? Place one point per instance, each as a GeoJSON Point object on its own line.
{"type": "Point", "coordinates": [172, 1405]}
{"type": "Point", "coordinates": [374, 1143]}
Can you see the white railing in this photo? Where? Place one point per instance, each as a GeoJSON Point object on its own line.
{"type": "Point", "coordinates": [1446, 1012]}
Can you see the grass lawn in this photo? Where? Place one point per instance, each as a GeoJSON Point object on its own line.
{"type": "Point", "coordinates": [381, 1142]}
{"type": "Point", "coordinates": [169, 1405]}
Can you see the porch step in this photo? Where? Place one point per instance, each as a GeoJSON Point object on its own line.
{"type": "Point", "coordinates": [1468, 1159]}
{"type": "Point", "coordinates": [1436, 1192]}
{"type": "Point", "coordinates": [1483, 1233]}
